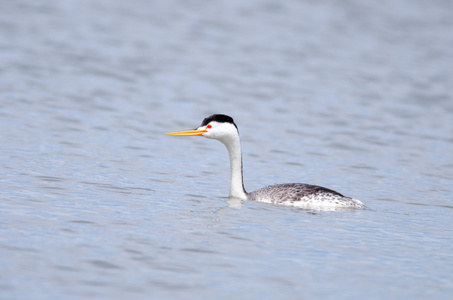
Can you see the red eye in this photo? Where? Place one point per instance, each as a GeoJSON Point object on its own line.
{"type": "Point", "coordinates": [209, 126]}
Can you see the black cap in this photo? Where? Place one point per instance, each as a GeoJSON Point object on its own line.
{"type": "Point", "coordinates": [218, 118]}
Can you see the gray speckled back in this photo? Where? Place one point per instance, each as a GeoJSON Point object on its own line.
{"type": "Point", "coordinates": [303, 195]}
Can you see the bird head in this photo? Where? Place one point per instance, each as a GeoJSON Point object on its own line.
{"type": "Point", "coordinates": [219, 127]}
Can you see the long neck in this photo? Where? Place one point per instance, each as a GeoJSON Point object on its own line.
{"type": "Point", "coordinates": [237, 184]}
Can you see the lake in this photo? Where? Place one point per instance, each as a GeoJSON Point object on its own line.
{"type": "Point", "coordinates": [96, 201]}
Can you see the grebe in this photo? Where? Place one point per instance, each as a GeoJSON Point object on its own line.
{"type": "Point", "coordinates": [222, 128]}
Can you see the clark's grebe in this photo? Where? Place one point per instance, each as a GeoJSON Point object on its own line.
{"type": "Point", "coordinates": [222, 128]}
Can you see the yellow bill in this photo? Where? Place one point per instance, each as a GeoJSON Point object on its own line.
{"type": "Point", "coordinates": [188, 132]}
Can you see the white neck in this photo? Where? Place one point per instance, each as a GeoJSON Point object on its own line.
{"type": "Point", "coordinates": [233, 145]}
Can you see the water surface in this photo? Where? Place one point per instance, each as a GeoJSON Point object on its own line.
{"type": "Point", "coordinates": [97, 201]}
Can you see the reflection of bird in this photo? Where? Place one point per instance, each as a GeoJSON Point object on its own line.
{"type": "Point", "coordinates": [223, 128]}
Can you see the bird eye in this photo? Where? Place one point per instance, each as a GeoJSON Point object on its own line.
{"type": "Point", "coordinates": [209, 126]}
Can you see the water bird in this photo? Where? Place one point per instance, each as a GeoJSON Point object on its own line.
{"type": "Point", "coordinates": [222, 128]}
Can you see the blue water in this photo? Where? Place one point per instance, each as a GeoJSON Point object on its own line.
{"type": "Point", "coordinates": [96, 201]}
